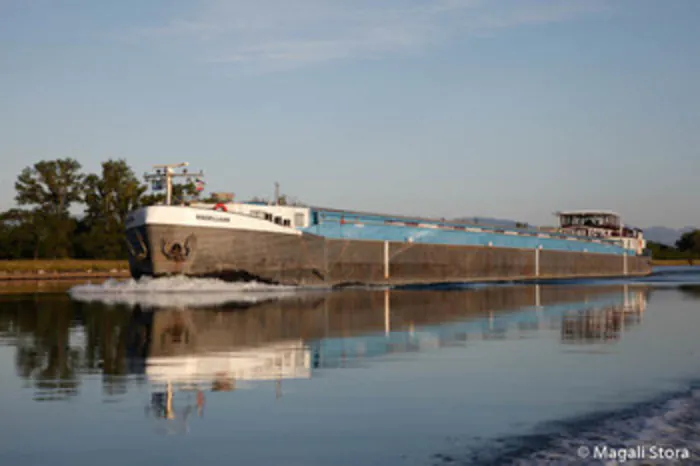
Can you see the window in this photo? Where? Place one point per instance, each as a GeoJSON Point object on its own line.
{"type": "Point", "coordinates": [286, 222]}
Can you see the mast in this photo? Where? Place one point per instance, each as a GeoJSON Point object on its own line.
{"type": "Point", "coordinates": [166, 173]}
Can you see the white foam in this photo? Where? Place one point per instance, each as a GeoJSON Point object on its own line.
{"type": "Point", "coordinates": [179, 292]}
{"type": "Point", "coordinates": [672, 424]}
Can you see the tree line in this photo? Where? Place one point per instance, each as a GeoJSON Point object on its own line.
{"type": "Point", "coordinates": [43, 225]}
{"type": "Point", "coordinates": [686, 248]}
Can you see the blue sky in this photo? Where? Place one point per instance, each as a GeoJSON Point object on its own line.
{"type": "Point", "coordinates": [510, 108]}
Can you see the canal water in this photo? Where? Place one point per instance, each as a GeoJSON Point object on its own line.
{"type": "Point", "coordinates": [183, 372]}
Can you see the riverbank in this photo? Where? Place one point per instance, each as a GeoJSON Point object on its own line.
{"type": "Point", "coordinates": [674, 262]}
{"type": "Point", "coordinates": [77, 269]}
{"type": "Point", "coordinates": [62, 269]}
{"type": "Point", "coordinates": [21, 287]}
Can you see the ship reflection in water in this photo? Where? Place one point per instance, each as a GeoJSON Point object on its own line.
{"type": "Point", "coordinates": [590, 326]}
{"type": "Point", "coordinates": [184, 353]}
{"type": "Point", "coordinates": [194, 351]}
{"type": "Point", "coordinates": [188, 374]}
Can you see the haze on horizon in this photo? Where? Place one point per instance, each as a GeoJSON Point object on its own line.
{"type": "Point", "coordinates": [446, 108]}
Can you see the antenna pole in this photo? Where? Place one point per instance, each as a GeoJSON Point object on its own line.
{"type": "Point", "coordinates": [277, 193]}
{"type": "Point", "coordinates": [168, 185]}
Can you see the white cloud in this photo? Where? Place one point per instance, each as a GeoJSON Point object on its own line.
{"type": "Point", "coordinates": [274, 33]}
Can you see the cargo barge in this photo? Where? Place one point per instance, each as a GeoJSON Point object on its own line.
{"type": "Point", "coordinates": [310, 246]}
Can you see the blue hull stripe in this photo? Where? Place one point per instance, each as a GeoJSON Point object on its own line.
{"type": "Point", "coordinates": [368, 228]}
{"type": "Point", "coordinates": [378, 344]}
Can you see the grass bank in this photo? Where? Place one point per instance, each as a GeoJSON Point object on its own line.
{"type": "Point", "coordinates": [43, 267]}
{"type": "Point", "coordinates": [19, 287]}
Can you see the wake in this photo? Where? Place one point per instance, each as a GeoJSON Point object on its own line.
{"type": "Point", "coordinates": [671, 421]}
{"type": "Point", "coordinates": [180, 292]}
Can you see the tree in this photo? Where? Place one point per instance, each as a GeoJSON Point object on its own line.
{"type": "Point", "coordinates": [114, 193]}
{"type": "Point", "coordinates": [663, 251]}
{"type": "Point", "coordinates": [50, 188]}
{"type": "Point", "coordinates": [14, 244]}
{"type": "Point", "coordinates": [52, 185]}
{"type": "Point", "coordinates": [690, 243]}
{"type": "Point", "coordinates": [181, 193]}
{"type": "Point", "coordinates": [53, 233]}
{"type": "Point", "coordinates": [109, 197]}
{"type": "Point", "coordinates": [33, 234]}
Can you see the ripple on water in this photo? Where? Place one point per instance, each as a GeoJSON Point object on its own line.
{"type": "Point", "coordinates": [671, 421]}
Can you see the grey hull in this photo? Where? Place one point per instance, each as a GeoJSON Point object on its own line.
{"type": "Point", "coordinates": [308, 260]}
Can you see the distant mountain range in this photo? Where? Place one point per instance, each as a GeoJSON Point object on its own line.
{"type": "Point", "coordinates": [663, 235]}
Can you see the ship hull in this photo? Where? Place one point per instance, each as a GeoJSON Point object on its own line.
{"type": "Point", "coordinates": [305, 259]}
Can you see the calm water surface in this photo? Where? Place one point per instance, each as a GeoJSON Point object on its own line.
{"type": "Point", "coordinates": [181, 372]}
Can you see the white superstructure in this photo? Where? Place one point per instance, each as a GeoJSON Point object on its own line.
{"type": "Point", "coordinates": [253, 216]}
{"type": "Point", "coordinates": [283, 360]}
{"type": "Point", "coordinates": [602, 224]}
{"type": "Point", "coordinates": [236, 217]}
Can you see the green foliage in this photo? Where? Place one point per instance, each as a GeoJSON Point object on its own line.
{"type": "Point", "coordinates": [46, 191]}
{"type": "Point", "coordinates": [35, 233]}
{"type": "Point", "coordinates": [113, 194]}
{"type": "Point", "coordinates": [109, 197]}
{"type": "Point", "coordinates": [282, 200]}
{"type": "Point", "coordinates": [182, 192]}
{"type": "Point", "coordinates": [16, 235]}
{"type": "Point", "coordinates": [685, 248]}
{"type": "Point", "coordinates": [211, 199]}
{"type": "Point", "coordinates": [690, 243]}
{"type": "Point", "coordinates": [50, 185]}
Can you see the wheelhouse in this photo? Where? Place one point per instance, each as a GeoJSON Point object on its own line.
{"type": "Point", "coordinates": [601, 224]}
{"type": "Point", "coordinates": [590, 219]}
